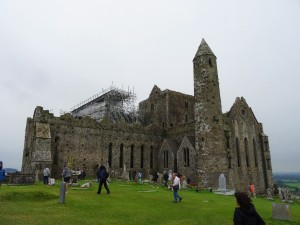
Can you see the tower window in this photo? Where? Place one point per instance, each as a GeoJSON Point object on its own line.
{"type": "Point", "coordinates": [210, 62]}
{"type": "Point", "coordinates": [186, 104]}
{"type": "Point", "coordinates": [152, 107]}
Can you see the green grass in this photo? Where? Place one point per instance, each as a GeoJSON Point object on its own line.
{"type": "Point", "coordinates": [39, 204]}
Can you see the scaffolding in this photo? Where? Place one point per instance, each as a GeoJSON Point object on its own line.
{"type": "Point", "coordinates": [112, 102]}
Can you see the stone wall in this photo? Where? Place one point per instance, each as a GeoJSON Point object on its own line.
{"type": "Point", "coordinates": [167, 108]}
{"type": "Point", "coordinates": [246, 149]}
{"type": "Point", "coordinates": [84, 143]}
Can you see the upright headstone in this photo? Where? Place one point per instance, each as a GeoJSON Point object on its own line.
{"type": "Point", "coordinates": [222, 182]}
{"type": "Point", "coordinates": [281, 211]}
{"type": "Point", "coordinates": [270, 194]}
{"type": "Point", "coordinates": [62, 193]}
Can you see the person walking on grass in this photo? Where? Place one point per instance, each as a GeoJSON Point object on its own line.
{"type": "Point", "coordinates": [2, 173]}
{"type": "Point", "coordinates": [176, 187]}
{"type": "Point", "coordinates": [245, 213]}
{"type": "Point", "coordinates": [103, 175]}
{"type": "Point", "coordinates": [67, 177]}
{"type": "Point", "coordinates": [252, 190]}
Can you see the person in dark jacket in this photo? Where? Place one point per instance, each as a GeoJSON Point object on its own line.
{"type": "Point", "coordinates": [102, 175]}
{"type": "Point", "coordinates": [2, 173]}
{"type": "Point", "coordinates": [66, 174]}
{"type": "Point", "coordinates": [245, 213]}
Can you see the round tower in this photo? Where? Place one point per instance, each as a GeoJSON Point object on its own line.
{"type": "Point", "coordinates": [209, 132]}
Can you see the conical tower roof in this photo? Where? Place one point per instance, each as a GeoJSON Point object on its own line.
{"type": "Point", "coordinates": [204, 49]}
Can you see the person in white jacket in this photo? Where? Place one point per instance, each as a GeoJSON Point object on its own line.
{"type": "Point", "coordinates": [176, 187]}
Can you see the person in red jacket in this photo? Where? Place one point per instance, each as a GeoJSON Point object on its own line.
{"type": "Point", "coordinates": [252, 190]}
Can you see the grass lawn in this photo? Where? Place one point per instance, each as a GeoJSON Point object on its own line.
{"type": "Point", "coordinates": [128, 203]}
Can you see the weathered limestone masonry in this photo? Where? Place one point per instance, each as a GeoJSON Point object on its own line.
{"type": "Point", "coordinates": [174, 131]}
{"type": "Point", "coordinates": [248, 146]}
{"type": "Point", "coordinates": [86, 143]}
{"type": "Point", "coordinates": [209, 134]}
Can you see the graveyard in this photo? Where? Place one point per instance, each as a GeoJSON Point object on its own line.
{"type": "Point", "coordinates": [128, 203]}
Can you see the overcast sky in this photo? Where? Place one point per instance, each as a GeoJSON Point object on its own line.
{"type": "Point", "coordinates": [55, 54]}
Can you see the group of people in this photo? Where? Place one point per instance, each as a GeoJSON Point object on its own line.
{"type": "Point", "coordinates": [102, 176]}
{"type": "Point", "coordinates": [66, 175]}
{"type": "Point", "coordinates": [244, 213]}
{"type": "Point", "coordinates": [184, 181]}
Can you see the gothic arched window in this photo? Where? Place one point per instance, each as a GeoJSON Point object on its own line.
{"type": "Point", "coordinates": [238, 153]}
{"type": "Point", "coordinates": [255, 152]}
{"type": "Point", "coordinates": [131, 156]}
{"type": "Point", "coordinates": [109, 160]}
{"type": "Point", "coordinates": [247, 152]}
{"type": "Point", "coordinates": [121, 157]}
{"type": "Point", "coordinates": [166, 159]}
{"type": "Point", "coordinates": [186, 157]}
{"type": "Point", "coordinates": [142, 156]}
{"type": "Point", "coordinates": [151, 157]}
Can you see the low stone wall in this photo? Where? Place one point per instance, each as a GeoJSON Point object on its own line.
{"type": "Point", "coordinates": [20, 179]}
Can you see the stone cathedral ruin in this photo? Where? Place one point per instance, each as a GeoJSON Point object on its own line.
{"type": "Point", "coordinates": [169, 131]}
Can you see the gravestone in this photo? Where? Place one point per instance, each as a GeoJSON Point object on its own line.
{"type": "Point", "coordinates": [21, 179]}
{"type": "Point", "coordinates": [125, 174]}
{"type": "Point", "coordinates": [222, 182]}
{"type": "Point", "coordinates": [270, 194]}
{"type": "Point", "coordinates": [281, 211]}
{"type": "Point", "coordinates": [62, 192]}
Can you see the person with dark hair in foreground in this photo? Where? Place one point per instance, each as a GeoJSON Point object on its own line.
{"type": "Point", "coordinates": [245, 213]}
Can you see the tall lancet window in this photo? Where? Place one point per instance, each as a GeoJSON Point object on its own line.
{"type": "Point", "coordinates": [238, 153]}
{"type": "Point", "coordinates": [151, 157]}
{"type": "Point", "coordinates": [121, 157]}
{"type": "Point", "coordinates": [247, 152]}
{"type": "Point", "coordinates": [132, 156]}
{"type": "Point", "coordinates": [142, 156]}
{"type": "Point", "coordinates": [109, 160]}
{"type": "Point", "coordinates": [186, 157]}
{"type": "Point", "coordinates": [255, 153]}
{"type": "Point", "coordinates": [166, 159]}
